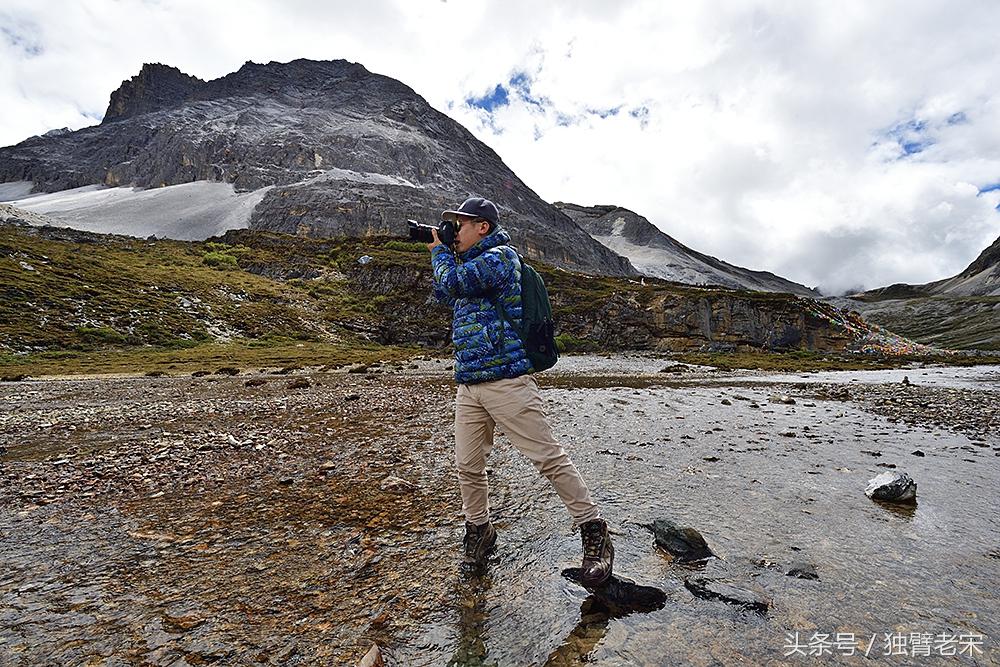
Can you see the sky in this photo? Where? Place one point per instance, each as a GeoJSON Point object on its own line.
{"type": "Point", "coordinates": [841, 145]}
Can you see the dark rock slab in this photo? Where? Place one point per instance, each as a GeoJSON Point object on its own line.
{"type": "Point", "coordinates": [708, 588]}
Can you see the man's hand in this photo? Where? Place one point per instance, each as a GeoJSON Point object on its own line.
{"type": "Point", "coordinates": [437, 241]}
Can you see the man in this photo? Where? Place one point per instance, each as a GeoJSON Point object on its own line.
{"type": "Point", "coordinates": [495, 386]}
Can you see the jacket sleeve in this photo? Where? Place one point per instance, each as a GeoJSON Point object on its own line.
{"type": "Point", "coordinates": [489, 272]}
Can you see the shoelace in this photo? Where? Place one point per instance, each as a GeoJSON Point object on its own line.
{"type": "Point", "coordinates": [592, 541]}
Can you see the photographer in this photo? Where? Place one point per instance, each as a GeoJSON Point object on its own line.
{"type": "Point", "coordinates": [495, 386]}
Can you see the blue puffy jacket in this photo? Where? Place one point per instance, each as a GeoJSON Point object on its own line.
{"type": "Point", "coordinates": [486, 347]}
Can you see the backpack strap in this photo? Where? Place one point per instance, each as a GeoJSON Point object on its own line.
{"type": "Point", "coordinates": [502, 312]}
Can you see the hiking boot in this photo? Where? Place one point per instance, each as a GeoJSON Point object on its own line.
{"type": "Point", "coordinates": [598, 553]}
{"type": "Point", "coordinates": [479, 541]}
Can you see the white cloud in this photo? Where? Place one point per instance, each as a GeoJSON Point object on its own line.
{"type": "Point", "coordinates": [775, 134]}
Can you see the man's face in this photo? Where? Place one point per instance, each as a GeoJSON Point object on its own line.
{"type": "Point", "coordinates": [469, 231]}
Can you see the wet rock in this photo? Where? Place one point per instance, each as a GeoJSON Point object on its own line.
{"type": "Point", "coordinates": [683, 543]}
{"type": "Point", "coordinates": [227, 370]}
{"type": "Point", "coordinates": [802, 570]}
{"type": "Point", "coordinates": [397, 485]}
{"type": "Point", "coordinates": [917, 452]}
{"type": "Point", "coordinates": [622, 595]}
{"type": "Point", "coordinates": [255, 382]}
{"type": "Point", "coordinates": [892, 487]}
{"type": "Point", "coordinates": [709, 588]}
{"type": "Point", "coordinates": [14, 378]}
{"type": "Point", "coordinates": [299, 383]}
{"type": "Point", "coordinates": [726, 401]}
{"type": "Point", "coordinates": [200, 374]}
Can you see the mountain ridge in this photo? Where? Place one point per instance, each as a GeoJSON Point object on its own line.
{"type": "Point", "coordinates": [632, 235]}
{"type": "Point", "coordinates": [314, 132]}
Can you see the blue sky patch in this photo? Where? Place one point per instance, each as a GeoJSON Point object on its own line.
{"type": "Point", "coordinates": [24, 43]}
{"type": "Point", "coordinates": [957, 118]}
{"type": "Point", "coordinates": [604, 113]}
{"type": "Point", "coordinates": [641, 114]}
{"type": "Point", "coordinates": [911, 136]}
{"type": "Point", "coordinates": [498, 97]}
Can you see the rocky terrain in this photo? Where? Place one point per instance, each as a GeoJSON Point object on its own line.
{"type": "Point", "coordinates": [328, 147]}
{"type": "Point", "coordinates": [961, 312]}
{"type": "Point", "coordinates": [70, 290]}
{"type": "Point", "coordinates": [659, 255]}
{"type": "Point", "coordinates": [298, 519]}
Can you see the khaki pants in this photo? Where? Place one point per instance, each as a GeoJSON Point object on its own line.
{"type": "Point", "coordinates": [516, 406]}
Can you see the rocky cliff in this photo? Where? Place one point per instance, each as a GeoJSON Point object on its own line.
{"type": "Point", "coordinates": [69, 289]}
{"type": "Point", "coordinates": [656, 254]}
{"type": "Point", "coordinates": [343, 151]}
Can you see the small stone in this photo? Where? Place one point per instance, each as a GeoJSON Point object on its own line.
{"type": "Point", "coordinates": [228, 370]}
{"type": "Point", "coordinates": [397, 485]}
{"type": "Point", "coordinates": [782, 398]}
{"type": "Point", "coordinates": [726, 401]}
{"type": "Point", "coordinates": [374, 656]}
{"type": "Point", "coordinates": [917, 452]}
{"type": "Point", "coordinates": [352, 397]}
{"type": "Point", "coordinates": [300, 383]}
{"type": "Point", "coordinates": [802, 570]}
{"type": "Point", "coordinates": [893, 487]}
{"type": "Point", "coordinates": [255, 382]}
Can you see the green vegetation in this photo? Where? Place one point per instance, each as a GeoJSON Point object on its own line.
{"type": "Point", "coordinates": [210, 357]}
{"type": "Point", "coordinates": [220, 260]}
{"type": "Point", "coordinates": [406, 246]}
{"type": "Point", "coordinates": [568, 343]}
{"type": "Point", "coordinates": [92, 304]}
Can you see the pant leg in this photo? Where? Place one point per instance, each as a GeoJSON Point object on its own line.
{"type": "Point", "coordinates": [473, 442]}
{"type": "Point", "coordinates": [517, 407]}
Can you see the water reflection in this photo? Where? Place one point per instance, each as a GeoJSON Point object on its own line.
{"type": "Point", "coordinates": [616, 599]}
{"type": "Point", "coordinates": [472, 589]}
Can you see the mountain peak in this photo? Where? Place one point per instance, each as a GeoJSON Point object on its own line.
{"type": "Point", "coordinates": [987, 259]}
{"type": "Point", "coordinates": [156, 86]}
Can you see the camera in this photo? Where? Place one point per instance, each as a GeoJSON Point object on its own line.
{"type": "Point", "coordinates": [421, 232]}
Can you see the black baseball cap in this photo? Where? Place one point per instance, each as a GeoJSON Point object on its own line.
{"type": "Point", "coordinates": [475, 207]}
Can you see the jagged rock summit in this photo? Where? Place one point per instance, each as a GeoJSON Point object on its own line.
{"type": "Point", "coordinates": [661, 256]}
{"type": "Point", "coordinates": [331, 148]}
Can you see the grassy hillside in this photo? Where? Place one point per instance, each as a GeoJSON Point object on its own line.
{"type": "Point", "coordinates": [74, 302]}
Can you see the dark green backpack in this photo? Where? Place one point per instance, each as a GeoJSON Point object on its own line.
{"type": "Point", "coordinates": [537, 330]}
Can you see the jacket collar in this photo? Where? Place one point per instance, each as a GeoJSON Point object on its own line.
{"type": "Point", "coordinates": [497, 237]}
